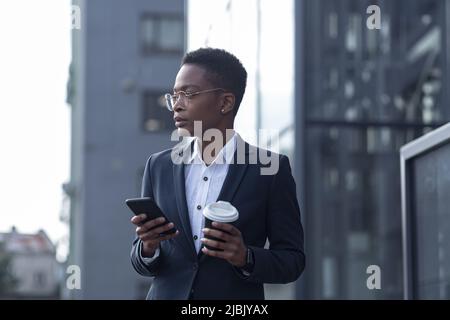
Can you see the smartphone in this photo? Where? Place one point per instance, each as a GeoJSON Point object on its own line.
{"type": "Point", "coordinates": [150, 208]}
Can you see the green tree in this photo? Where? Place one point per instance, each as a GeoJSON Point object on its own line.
{"type": "Point", "coordinates": [7, 280]}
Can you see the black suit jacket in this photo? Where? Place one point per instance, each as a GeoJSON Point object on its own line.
{"type": "Point", "coordinates": [268, 210]}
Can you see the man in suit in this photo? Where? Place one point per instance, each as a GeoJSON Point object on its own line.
{"type": "Point", "coordinates": [201, 170]}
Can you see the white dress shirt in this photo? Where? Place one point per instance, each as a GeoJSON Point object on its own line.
{"type": "Point", "coordinates": [203, 184]}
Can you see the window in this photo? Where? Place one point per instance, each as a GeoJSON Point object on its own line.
{"type": "Point", "coordinates": [162, 33]}
{"type": "Point", "coordinates": [156, 116]}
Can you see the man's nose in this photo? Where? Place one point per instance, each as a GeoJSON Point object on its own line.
{"type": "Point", "coordinates": [178, 104]}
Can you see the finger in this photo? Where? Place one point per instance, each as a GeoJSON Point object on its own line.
{"type": "Point", "coordinates": [137, 220]}
{"type": "Point", "coordinates": [163, 228]}
{"type": "Point", "coordinates": [214, 243]}
{"type": "Point", "coordinates": [153, 223]}
{"type": "Point", "coordinates": [150, 224]}
{"type": "Point", "coordinates": [149, 236]}
{"type": "Point", "coordinates": [169, 236]}
{"type": "Point", "coordinates": [217, 234]}
{"type": "Point", "coordinates": [140, 230]}
{"type": "Point", "coordinates": [226, 227]}
{"type": "Point", "coordinates": [218, 254]}
{"type": "Point", "coordinates": [153, 233]}
{"type": "Point", "coordinates": [154, 239]}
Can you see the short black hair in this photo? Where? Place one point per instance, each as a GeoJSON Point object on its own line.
{"type": "Point", "coordinates": [223, 68]}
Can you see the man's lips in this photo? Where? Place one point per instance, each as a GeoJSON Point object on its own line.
{"type": "Point", "coordinates": [180, 122]}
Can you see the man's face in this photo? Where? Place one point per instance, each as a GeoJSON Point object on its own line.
{"type": "Point", "coordinates": [205, 107]}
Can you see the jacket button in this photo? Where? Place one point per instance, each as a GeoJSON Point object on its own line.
{"type": "Point", "coordinates": [199, 207]}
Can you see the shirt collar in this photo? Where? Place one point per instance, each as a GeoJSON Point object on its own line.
{"type": "Point", "coordinates": [225, 155]}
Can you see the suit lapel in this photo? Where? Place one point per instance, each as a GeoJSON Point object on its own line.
{"type": "Point", "coordinates": [233, 178]}
{"type": "Point", "coordinates": [234, 175]}
{"type": "Point", "coordinates": [180, 197]}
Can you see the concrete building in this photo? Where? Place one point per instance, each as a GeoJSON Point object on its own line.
{"type": "Point", "coordinates": [125, 57]}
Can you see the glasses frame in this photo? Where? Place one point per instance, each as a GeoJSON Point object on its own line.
{"type": "Point", "coordinates": [176, 96]}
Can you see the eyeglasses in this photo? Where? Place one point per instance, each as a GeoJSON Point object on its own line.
{"type": "Point", "coordinates": [172, 99]}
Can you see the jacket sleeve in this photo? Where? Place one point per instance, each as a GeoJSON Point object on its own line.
{"type": "Point", "coordinates": [145, 267]}
{"type": "Point", "coordinates": [284, 261]}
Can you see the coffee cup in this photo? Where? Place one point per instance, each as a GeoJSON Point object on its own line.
{"type": "Point", "coordinates": [220, 211]}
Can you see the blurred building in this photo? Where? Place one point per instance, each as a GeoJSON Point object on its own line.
{"type": "Point", "coordinates": [125, 57]}
{"type": "Point", "coordinates": [33, 265]}
{"type": "Point", "coordinates": [362, 95]}
{"type": "Point", "coordinates": [343, 99]}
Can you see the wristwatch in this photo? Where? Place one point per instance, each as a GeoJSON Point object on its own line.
{"type": "Point", "coordinates": [249, 263]}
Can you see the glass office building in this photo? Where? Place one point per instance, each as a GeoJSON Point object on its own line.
{"type": "Point", "coordinates": [366, 93]}
{"type": "Point", "coordinates": [343, 99]}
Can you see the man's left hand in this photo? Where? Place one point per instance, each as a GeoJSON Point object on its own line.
{"type": "Point", "coordinates": [234, 249]}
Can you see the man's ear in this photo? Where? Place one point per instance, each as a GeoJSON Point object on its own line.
{"type": "Point", "coordinates": [228, 101]}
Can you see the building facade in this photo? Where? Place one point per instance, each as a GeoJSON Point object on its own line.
{"type": "Point", "coordinates": [125, 57]}
{"type": "Point", "coordinates": [342, 99]}
{"type": "Point", "coordinates": [363, 93]}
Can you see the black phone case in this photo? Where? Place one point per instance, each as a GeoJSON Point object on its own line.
{"type": "Point", "coordinates": [150, 208]}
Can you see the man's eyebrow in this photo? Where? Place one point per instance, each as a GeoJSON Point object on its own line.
{"type": "Point", "coordinates": [183, 88]}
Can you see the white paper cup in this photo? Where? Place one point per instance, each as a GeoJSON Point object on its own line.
{"type": "Point", "coordinates": [220, 211]}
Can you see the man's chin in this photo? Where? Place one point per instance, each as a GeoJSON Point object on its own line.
{"type": "Point", "coordinates": [184, 132]}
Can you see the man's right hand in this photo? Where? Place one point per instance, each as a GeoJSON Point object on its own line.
{"type": "Point", "coordinates": [149, 235]}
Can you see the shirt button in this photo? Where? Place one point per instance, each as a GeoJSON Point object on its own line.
{"type": "Point", "coordinates": [205, 178]}
{"type": "Point", "coordinates": [195, 237]}
{"type": "Point", "coordinates": [199, 207]}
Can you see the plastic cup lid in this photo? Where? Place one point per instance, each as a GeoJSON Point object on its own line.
{"type": "Point", "coordinates": [221, 211]}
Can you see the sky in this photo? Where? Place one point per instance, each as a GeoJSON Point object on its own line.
{"type": "Point", "coordinates": [35, 44]}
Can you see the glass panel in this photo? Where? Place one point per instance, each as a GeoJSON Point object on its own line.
{"type": "Point", "coordinates": [171, 34]}
{"type": "Point", "coordinates": [432, 224]}
{"type": "Point", "coordinates": [352, 210]}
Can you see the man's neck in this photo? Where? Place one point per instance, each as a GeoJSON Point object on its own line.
{"type": "Point", "coordinates": [208, 154]}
